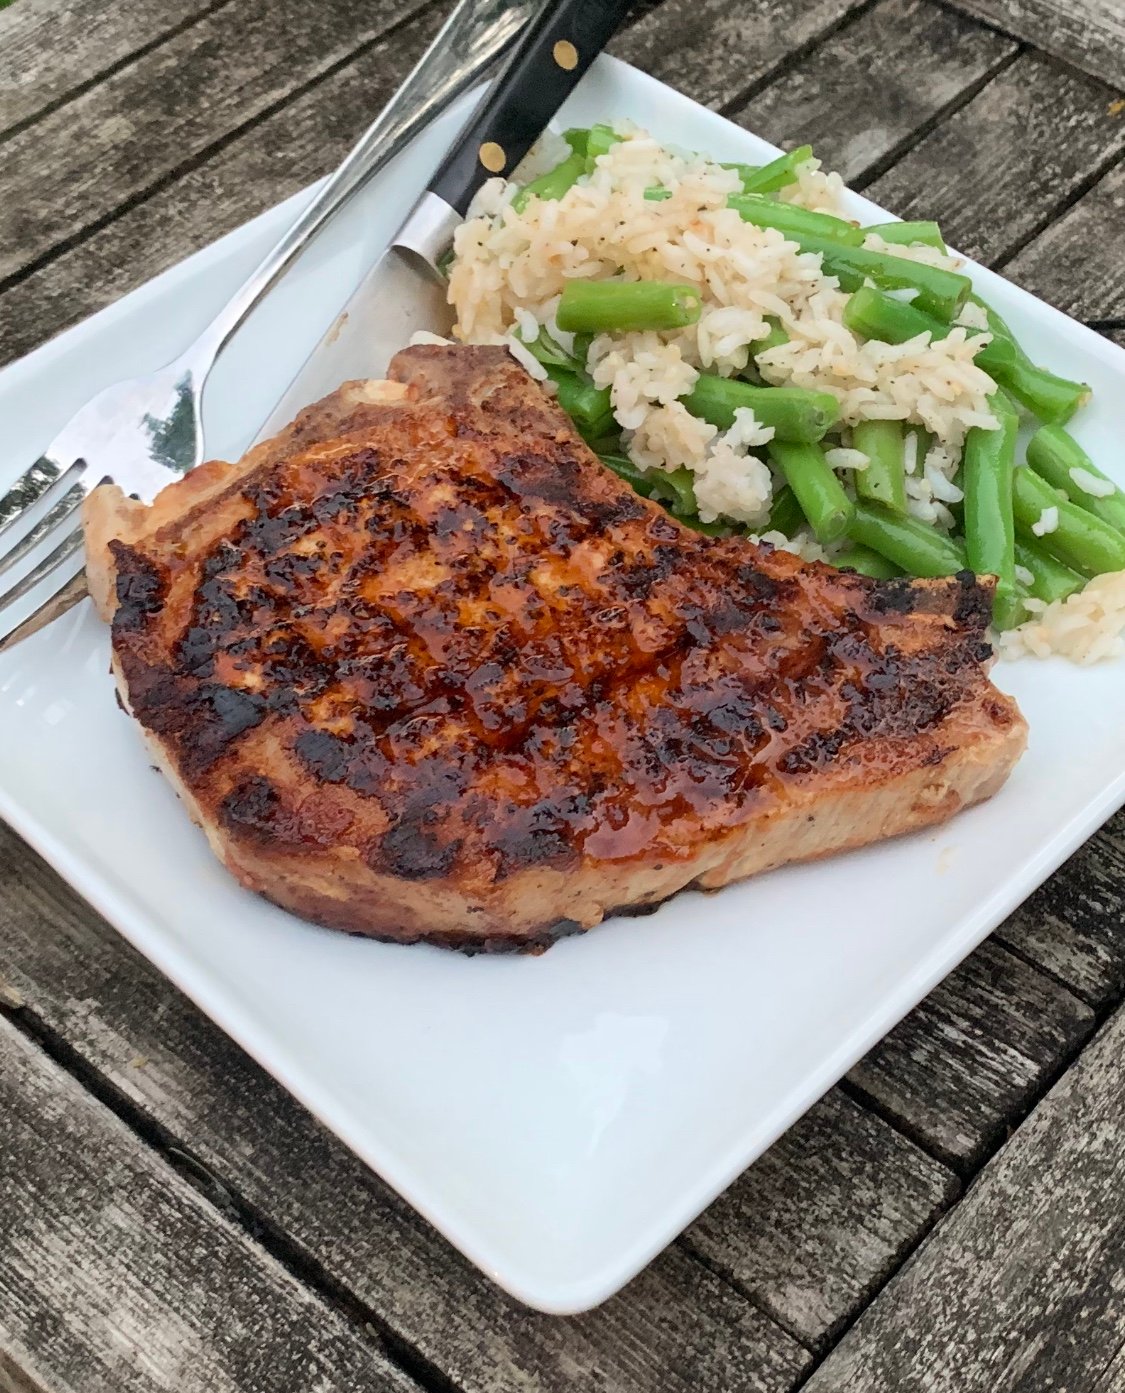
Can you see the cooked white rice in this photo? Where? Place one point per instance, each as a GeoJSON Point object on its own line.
{"type": "Point", "coordinates": [511, 266]}
{"type": "Point", "coordinates": [1086, 627]}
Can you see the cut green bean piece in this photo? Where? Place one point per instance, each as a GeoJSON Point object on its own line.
{"type": "Point", "coordinates": [822, 498]}
{"type": "Point", "coordinates": [1058, 457]}
{"type": "Point", "coordinates": [876, 315]}
{"type": "Point", "coordinates": [1052, 398]}
{"type": "Point", "coordinates": [884, 479]}
{"type": "Point", "coordinates": [785, 513]}
{"type": "Point", "coordinates": [577, 137]}
{"type": "Point", "coordinates": [546, 349]}
{"type": "Point", "coordinates": [1050, 578]}
{"type": "Point", "coordinates": [792, 222]}
{"type": "Point", "coordinates": [794, 413]}
{"type": "Point", "coordinates": [553, 184]}
{"type": "Point", "coordinates": [939, 292]}
{"type": "Point", "coordinates": [657, 195]}
{"type": "Point", "coordinates": [616, 307]}
{"type": "Point", "coordinates": [587, 406]}
{"type": "Point", "coordinates": [866, 562]}
{"type": "Point", "coordinates": [774, 339]}
{"type": "Point", "coordinates": [1079, 539]}
{"type": "Point", "coordinates": [777, 174]}
{"type": "Point", "coordinates": [990, 536]}
{"type": "Point", "coordinates": [909, 234]}
{"type": "Point", "coordinates": [674, 487]}
{"type": "Point", "coordinates": [599, 140]}
{"type": "Point", "coordinates": [919, 550]}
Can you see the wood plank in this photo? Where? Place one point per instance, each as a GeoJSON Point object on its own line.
{"type": "Point", "coordinates": [969, 1061]}
{"type": "Point", "coordinates": [281, 155]}
{"type": "Point", "coordinates": [1010, 161]}
{"type": "Point", "coordinates": [48, 50]}
{"type": "Point", "coordinates": [1071, 926]}
{"type": "Point", "coordinates": [811, 1253]}
{"type": "Point", "coordinates": [717, 52]}
{"type": "Point", "coordinates": [162, 113]}
{"type": "Point", "coordinates": [1076, 263]}
{"type": "Point", "coordinates": [1089, 36]}
{"type": "Point", "coordinates": [676, 1329]}
{"type": "Point", "coordinates": [867, 90]}
{"type": "Point", "coordinates": [115, 1273]}
{"type": "Point", "coordinates": [1019, 1289]}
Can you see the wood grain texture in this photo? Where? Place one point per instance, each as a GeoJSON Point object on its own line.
{"type": "Point", "coordinates": [282, 154]}
{"type": "Point", "coordinates": [1072, 925]}
{"type": "Point", "coordinates": [48, 50]}
{"type": "Point", "coordinates": [115, 1274]}
{"type": "Point", "coordinates": [970, 1059]}
{"type": "Point", "coordinates": [163, 112]}
{"type": "Point", "coordinates": [1077, 263]}
{"type": "Point", "coordinates": [1089, 35]}
{"type": "Point", "coordinates": [1007, 163]}
{"type": "Point", "coordinates": [868, 88]}
{"type": "Point", "coordinates": [1019, 1289]}
{"type": "Point", "coordinates": [811, 1253]}
{"type": "Point", "coordinates": [715, 51]}
{"type": "Point", "coordinates": [675, 1329]}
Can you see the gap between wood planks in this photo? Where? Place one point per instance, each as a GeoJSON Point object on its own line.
{"type": "Point", "coordinates": [212, 1189]}
{"type": "Point", "coordinates": [209, 151]}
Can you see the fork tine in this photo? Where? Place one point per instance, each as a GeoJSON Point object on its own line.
{"type": "Point", "coordinates": [63, 509]}
{"type": "Point", "coordinates": [69, 593]}
{"type": "Point", "coordinates": [70, 544]}
{"type": "Point", "coordinates": [28, 489]}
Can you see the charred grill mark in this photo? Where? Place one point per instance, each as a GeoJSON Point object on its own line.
{"type": "Point", "coordinates": [141, 588]}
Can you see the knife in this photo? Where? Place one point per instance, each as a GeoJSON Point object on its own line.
{"type": "Point", "coordinates": [404, 292]}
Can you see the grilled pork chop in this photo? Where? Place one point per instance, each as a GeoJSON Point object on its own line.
{"type": "Point", "coordinates": [422, 668]}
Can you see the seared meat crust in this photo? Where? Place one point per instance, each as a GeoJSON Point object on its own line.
{"type": "Point", "coordinates": [443, 676]}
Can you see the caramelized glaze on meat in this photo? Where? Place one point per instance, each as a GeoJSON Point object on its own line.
{"type": "Point", "coordinates": [443, 676]}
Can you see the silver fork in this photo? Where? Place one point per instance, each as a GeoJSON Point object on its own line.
{"type": "Point", "coordinates": [145, 432]}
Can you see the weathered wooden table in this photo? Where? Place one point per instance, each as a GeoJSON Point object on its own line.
{"type": "Point", "coordinates": [952, 1216]}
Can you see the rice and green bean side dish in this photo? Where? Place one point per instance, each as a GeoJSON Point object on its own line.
{"type": "Point", "coordinates": [730, 343]}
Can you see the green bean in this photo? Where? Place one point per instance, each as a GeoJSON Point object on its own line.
{"type": "Point", "coordinates": [586, 405]}
{"type": "Point", "coordinates": [866, 562]}
{"type": "Point", "coordinates": [554, 183]}
{"type": "Point", "coordinates": [875, 315]}
{"type": "Point", "coordinates": [777, 174]}
{"type": "Point", "coordinates": [909, 234]}
{"type": "Point", "coordinates": [792, 222]}
{"type": "Point", "coordinates": [1085, 543]}
{"type": "Point", "coordinates": [548, 351]}
{"type": "Point", "coordinates": [657, 195]}
{"type": "Point", "coordinates": [600, 307]}
{"type": "Point", "coordinates": [990, 535]}
{"type": "Point", "coordinates": [785, 513]}
{"type": "Point", "coordinates": [1052, 398]}
{"type": "Point", "coordinates": [793, 412]}
{"type": "Point", "coordinates": [940, 292]}
{"type": "Point", "coordinates": [1055, 455]}
{"type": "Point", "coordinates": [1050, 579]}
{"type": "Point", "coordinates": [774, 339]}
{"type": "Point", "coordinates": [918, 549]}
{"type": "Point", "coordinates": [817, 489]}
{"type": "Point", "coordinates": [577, 137]}
{"type": "Point", "coordinates": [599, 139]}
{"type": "Point", "coordinates": [884, 479]}
{"type": "Point", "coordinates": [673, 487]}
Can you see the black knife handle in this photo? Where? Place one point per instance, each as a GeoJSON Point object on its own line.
{"type": "Point", "coordinates": [553, 53]}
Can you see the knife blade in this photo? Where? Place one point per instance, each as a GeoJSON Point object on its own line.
{"type": "Point", "coordinates": [404, 292]}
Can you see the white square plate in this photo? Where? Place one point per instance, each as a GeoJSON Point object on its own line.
{"type": "Point", "coordinates": [560, 1118]}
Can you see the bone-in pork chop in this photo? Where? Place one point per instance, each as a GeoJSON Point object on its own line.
{"type": "Point", "coordinates": [423, 668]}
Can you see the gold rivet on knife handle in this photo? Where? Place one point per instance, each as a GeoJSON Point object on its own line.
{"type": "Point", "coordinates": [566, 55]}
{"type": "Point", "coordinates": [492, 156]}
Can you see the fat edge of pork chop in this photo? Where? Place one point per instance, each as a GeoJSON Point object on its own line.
{"type": "Point", "coordinates": [423, 669]}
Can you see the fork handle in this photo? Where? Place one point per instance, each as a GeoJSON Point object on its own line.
{"type": "Point", "coordinates": [472, 38]}
{"type": "Point", "coordinates": [540, 74]}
